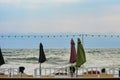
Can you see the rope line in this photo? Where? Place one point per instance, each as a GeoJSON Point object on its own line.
{"type": "Point", "coordinates": [54, 36]}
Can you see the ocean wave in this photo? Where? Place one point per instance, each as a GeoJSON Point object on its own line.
{"type": "Point", "coordinates": [23, 59]}
{"type": "Point", "coordinates": [55, 60]}
{"type": "Point", "coordinates": [6, 52]}
{"type": "Point", "coordinates": [61, 56]}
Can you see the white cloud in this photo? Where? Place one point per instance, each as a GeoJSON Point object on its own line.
{"type": "Point", "coordinates": [64, 24]}
{"type": "Point", "coordinates": [39, 1]}
{"type": "Point", "coordinates": [10, 1]}
{"type": "Point", "coordinates": [52, 1]}
{"type": "Point", "coordinates": [34, 4]}
{"type": "Point", "coordinates": [106, 21]}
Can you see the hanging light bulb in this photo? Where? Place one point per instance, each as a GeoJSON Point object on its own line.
{"type": "Point", "coordinates": [92, 35]}
{"type": "Point", "coordinates": [98, 35]}
{"type": "Point", "coordinates": [41, 36]}
{"type": "Point", "coordinates": [54, 36]}
{"type": "Point", "coordinates": [15, 36]}
{"type": "Point", "coordinates": [118, 36]}
{"type": "Point", "coordinates": [8, 36]}
{"type": "Point", "coordinates": [28, 36]}
{"type": "Point", "coordinates": [21, 36]}
{"type": "Point", "coordinates": [48, 36]}
{"type": "Point", "coordinates": [34, 36]}
{"type": "Point", "coordinates": [111, 35]}
{"type": "Point", "coordinates": [2, 36]}
{"type": "Point", "coordinates": [67, 36]}
{"type": "Point", "coordinates": [79, 34]}
{"type": "Point", "coordinates": [86, 35]}
{"type": "Point", "coordinates": [73, 35]}
{"type": "Point", "coordinates": [105, 35]}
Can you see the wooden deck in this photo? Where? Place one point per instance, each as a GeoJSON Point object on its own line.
{"type": "Point", "coordinates": [52, 77]}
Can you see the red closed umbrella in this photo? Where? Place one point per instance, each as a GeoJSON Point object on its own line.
{"type": "Point", "coordinates": [73, 52]}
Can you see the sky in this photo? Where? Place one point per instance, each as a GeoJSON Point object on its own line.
{"type": "Point", "coordinates": [51, 16]}
{"type": "Point", "coordinates": [58, 16]}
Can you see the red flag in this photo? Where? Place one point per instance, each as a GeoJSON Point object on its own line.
{"type": "Point", "coordinates": [73, 52]}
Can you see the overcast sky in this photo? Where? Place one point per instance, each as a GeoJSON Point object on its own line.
{"type": "Point", "coordinates": [48, 16]}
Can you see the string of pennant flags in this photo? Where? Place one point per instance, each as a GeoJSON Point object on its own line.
{"type": "Point", "coordinates": [54, 36]}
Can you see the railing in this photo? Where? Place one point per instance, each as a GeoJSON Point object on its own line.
{"type": "Point", "coordinates": [63, 71]}
{"type": "Point", "coordinates": [9, 71]}
{"type": "Point", "coordinates": [82, 70]}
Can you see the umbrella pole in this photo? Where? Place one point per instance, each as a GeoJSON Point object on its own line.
{"type": "Point", "coordinates": [40, 69]}
{"type": "Point", "coordinates": [76, 71]}
{"type": "Point", "coordinates": [82, 39]}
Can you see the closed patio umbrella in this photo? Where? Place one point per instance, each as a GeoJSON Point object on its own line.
{"type": "Point", "coordinates": [73, 52]}
{"type": "Point", "coordinates": [1, 58]}
{"type": "Point", "coordinates": [42, 57]}
{"type": "Point", "coordinates": [72, 57]}
{"type": "Point", "coordinates": [81, 58]}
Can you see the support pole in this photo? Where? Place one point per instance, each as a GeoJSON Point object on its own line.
{"type": "Point", "coordinates": [40, 69]}
{"type": "Point", "coordinates": [82, 39]}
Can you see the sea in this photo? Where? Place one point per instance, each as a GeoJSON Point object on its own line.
{"type": "Point", "coordinates": [58, 57]}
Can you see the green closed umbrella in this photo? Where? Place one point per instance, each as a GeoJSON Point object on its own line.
{"type": "Point", "coordinates": [81, 58]}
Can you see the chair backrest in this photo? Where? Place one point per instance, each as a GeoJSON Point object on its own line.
{"type": "Point", "coordinates": [21, 69]}
{"type": "Point", "coordinates": [103, 70]}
